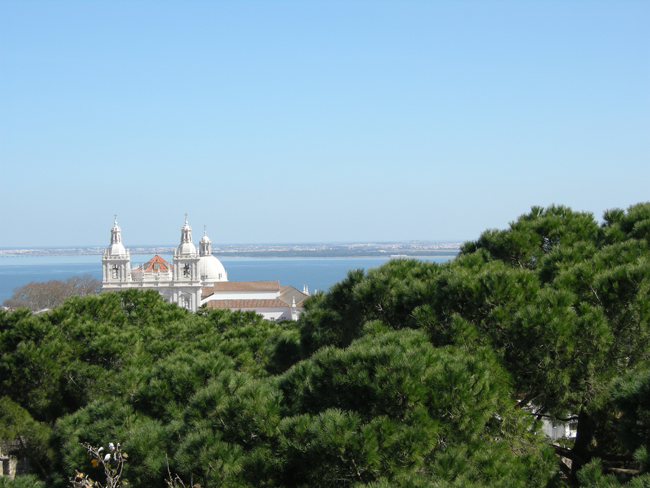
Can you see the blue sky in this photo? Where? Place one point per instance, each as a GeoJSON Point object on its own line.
{"type": "Point", "coordinates": [316, 121]}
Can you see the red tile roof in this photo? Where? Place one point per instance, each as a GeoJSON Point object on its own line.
{"type": "Point", "coordinates": [149, 265]}
{"type": "Point", "coordinates": [273, 285]}
{"type": "Point", "coordinates": [288, 293]}
{"type": "Point", "coordinates": [242, 304]}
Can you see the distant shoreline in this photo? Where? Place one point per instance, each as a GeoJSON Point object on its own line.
{"type": "Point", "coordinates": [261, 255]}
{"type": "Point", "coordinates": [317, 254]}
{"type": "Point", "coordinates": [353, 250]}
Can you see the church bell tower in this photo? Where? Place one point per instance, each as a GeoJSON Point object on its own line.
{"type": "Point", "coordinates": [187, 281]}
{"type": "Point", "coordinates": [116, 262]}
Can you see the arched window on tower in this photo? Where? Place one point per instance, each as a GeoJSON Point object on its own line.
{"type": "Point", "coordinates": [115, 272]}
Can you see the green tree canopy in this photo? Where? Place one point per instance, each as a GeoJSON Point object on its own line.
{"type": "Point", "coordinates": [410, 374]}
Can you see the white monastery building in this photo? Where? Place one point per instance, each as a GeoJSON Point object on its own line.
{"type": "Point", "coordinates": [196, 279]}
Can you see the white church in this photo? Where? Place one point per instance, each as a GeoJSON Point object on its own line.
{"type": "Point", "coordinates": [197, 279]}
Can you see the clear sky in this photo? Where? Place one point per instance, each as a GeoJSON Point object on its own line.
{"type": "Point", "coordinates": [316, 121]}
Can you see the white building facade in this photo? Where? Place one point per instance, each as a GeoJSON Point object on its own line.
{"type": "Point", "coordinates": [196, 278]}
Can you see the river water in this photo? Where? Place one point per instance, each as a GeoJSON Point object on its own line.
{"type": "Point", "coordinates": [316, 273]}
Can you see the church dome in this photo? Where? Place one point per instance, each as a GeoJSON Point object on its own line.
{"type": "Point", "coordinates": [211, 270]}
{"type": "Point", "coordinates": [186, 246]}
{"type": "Point", "coordinates": [116, 248]}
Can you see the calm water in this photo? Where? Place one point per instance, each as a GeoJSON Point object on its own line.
{"type": "Point", "coordinates": [317, 273]}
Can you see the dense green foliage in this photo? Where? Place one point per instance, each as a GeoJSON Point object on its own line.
{"type": "Point", "coordinates": [562, 301]}
{"type": "Point", "coordinates": [25, 481]}
{"type": "Point", "coordinates": [411, 374]}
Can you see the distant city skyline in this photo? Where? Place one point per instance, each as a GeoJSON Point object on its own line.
{"type": "Point", "coordinates": [320, 121]}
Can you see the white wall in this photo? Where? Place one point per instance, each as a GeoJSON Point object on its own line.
{"type": "Point", "coordinates": [243, 295]}
{"type": "Point", "coordinates": [271, 313]}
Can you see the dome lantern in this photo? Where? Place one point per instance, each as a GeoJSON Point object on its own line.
{"type": "Point", "coordinates": [186, 246]}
